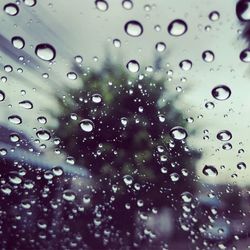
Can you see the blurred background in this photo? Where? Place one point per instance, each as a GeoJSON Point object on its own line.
{"type": "Point", "coordinates": [124, 124]}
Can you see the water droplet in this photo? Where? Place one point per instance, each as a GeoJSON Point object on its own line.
{"type": "Point", "coordinates": [42, 119]}
{"type": "Point", "coordinates": [124, 121]}
{"type": "Point", "coordinates": [178, 133]}
{"type": "Point", "coordinates": [72, 75]}
{"type": "Point", "coordinates": [243, 10]}
{"type": "Point", "coordinates": [87, 125]}
{"type": "Point", "coordinates": [245, 55]}
{"type": "Point", "coordinates": [30, 3]}
{"type": "Point", "coordinates": [174, 177]}
{"type": "Point", "coordinates": [6, 189]}
{"type": "Point", "coordinates": [214, 16]}
{"type": "Point", "coordinates": [208, 56]}
{"type": "Point", "coordinates": [11, 9]}
{"type": "Point", "coordinates": [78, 59]}
{"type": "Point", "coordinates": [18, 42]}
{"type": "Point", "coordinates": [186, 197]}
{"type": "Point", "coordinates": [160, 47]}
{"type": "Point", "coordinates": [57, 171]}
{"type": "Point", "coordinates": [177, 27]}
{"type": "Point", "coordinates": [43, 134]}
{"type": "Point", "coordinates": [128, 179]}
{"type": "Point", "coordinates": [117, 43]}
{"type": "Point", "coordinates": [26, 104]}
{"type": "Point", "coordinates": [14, 178]}
{"type": "Point", "coordinates": [101, 5]}
{"type": "Point", "coordinates": [221, 92]}
{"type": "Point", "coordinates": [227, 146]}
{"type": "Point", "coordinates": [210, 171]}
{"type": "Point", "coordinates": [45, 51]}
{"type": "Point", "coordinates": [209, 105]}
{"type": "Point", "coordinates": [241, 165]}
{"type": "Point", "coordinates": [8, 68]}
{"type": "Point", "coordinates": [96, 98]}
{"type": "Point", "coordinates": [133, 66]}
{"type": "Point", "coordinates": [133, 28]}
{"type": "Point", "coordinates": [127, 4]}
{"type": "Point", "coordinates": [14, 137]}
{"type": "Point", "coordinates": [224, 135]}
{"type": "Point", "coordinates": [2, 96]}
{"type": "Point", "coordinates": [69, 195]}
{"type": "Point", "coordinates": [15, 119]}
{"type": "Point", "coordinates": [185, 65]}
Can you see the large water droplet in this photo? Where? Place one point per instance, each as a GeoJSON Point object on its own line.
{"type": "Point", "coordinates": [26, 104]}
{"type": "Point", "coordinates": [133, 28]}
{"type": "Point", "coordinates": [245, 55]}
{"type": "Point", "coordinates": [18, 42]}
{"type": "Point", "coordinates": [133, 66]}
{"type": "Point", "coordinates": [221, 92]}
{"type": "Point", "coordinates": [210, 171]}
{"type": "Point", "coordinates": [185, 65]}
{"type": "Point", "coordinates": [178, 133]}
{"type": "Point", "coordinates": [11, 9]}
{"type": "Point", "coordinates": [15, 119]}
{"type": "Point", "coordinates": [30, 3]}
{"type": "Point", "coordinates": [101, 5]}
{"type": "Point", "coordinates": [43, 134]}
{"type": "Point", "coordinates": [208, 56]}
{"type": "Point", "coordinates": [243, 10]}
{"type": "Point", "coordinates": [177, 27]}
{"type": "Point", "coordinates": [45, 51]}
{"type": "Point", "coordinates": [87, 125]}
{"type": "Point", "coordinates": [224, 135]}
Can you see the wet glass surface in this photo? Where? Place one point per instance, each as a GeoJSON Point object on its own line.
{"type": "Point", "coordinates": [124, 124]}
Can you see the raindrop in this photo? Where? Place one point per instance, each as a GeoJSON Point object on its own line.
{"type": "Point", "coordinates": [69, 195]}
{"type": "Point", "coordinates": [174, 177]}
{"type": "Point", "coordinates": [72, 75]}
{"type": "Point", "coordinates": [243, 10]}
{"type": "Point", "coordinates": [186, 197]}
{"type": "Point", "coordinates": [224, 135]}
{"type": "Point", "coordinates": [245, 55]}
{"type": "Point", "coordinates": [227, 146]}
{"type": "Point", "coordinates": [221, 92]}
{"type": "Point", "coordinates": [18, 42]}
{"type": "Point", "coordinates": [117, 43]}
{"type": "Point", "coordinates": [2, 96]}
{"type": "Point", "coordinates": [178, 133]}
{"type": "Point", "coordinates": [11, 9]}
{"type": "Point", "coordinates": [14, 178]}
{"type": "Point", "coordinates": [209, 105]}
{"type": "Point", "coordinates": [241, 165]}
{"type": "Point", "coordinates": [101, 5]}
{"type": "Point", "coordinates": [14, 138]}
{"type": "Point", "coordinates": [160, 47]}
{"type": "Point", "coordinates": [208, 56]}
{"type": "Point", "coordinates": [57, 171]}
{"type": "Point", "coordinates": [214, 16]}
{"type": "Point", "coordinates": [127, 4]}
{"type": "Point", "coordinates": [96, 98]}
{"type": "Point", "coordinates": [128, 179]}
{"type": "Point", "coordinates": [26, 104]}
{"type": "Point", "coordinates": [210, 171]}
{"type": "Point", "coordinates": [45, 51]}
{"type": "Point", "coordinates": [78, 59]}
{"type": "Point", "coordinates": [133, 66]}
{"type": "Point", "coordinates": [185, 65]}
{"type": "Point", "coordinates": [42, 119]}
{"type": "Point", "coordinates": [87, 125]}
{"type": "Point", "coordinates": [8, 68]}
{"type": "Point", "coordinates": [133, 28]}
{"type": "Point", "coordinates": [30, 3]}
{"type": "Point", "coordinates": [124, 121]}
{"type": "Point", "coordinates": [15, 119]}
{"type": "Point", "coordinates": [177, 27]}
{"type": "Point", "coordinates": [6, 189]}
{"type": "Point", "coordinates": [43, 134]}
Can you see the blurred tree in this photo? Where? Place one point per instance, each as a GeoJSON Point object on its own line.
{"type": "Point", "coordinates": [135, 164]}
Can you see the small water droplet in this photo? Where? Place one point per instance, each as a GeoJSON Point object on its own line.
{"type": "Point", "coordinates": [2, 96]}
{"type": "Point", "coordinates": [14, 138]}
{"type": "Point", "coordinates": [78, 59]}
{"type": "Point", "coordinates": [210, 171]}
{"type": "Point", "coordinates": [209, 105]}
{"type": "Point", "coordinates": [101, 5]}
{"type": "Point", "coordinates": [117, 43]}
{"type": "Point", "coordinates": [15, 119]}
{"type": "Point", "coordinates": [245, 55]}
{"type": "Point", "coordinates": [87, 125]}
{"type": "Point", "coordinates": [96, 98]}
{"type": "Point", "coordinates": [127, 4]}
{"type": "Point", "coordinates": [186, 197]}
{"type": "Point", "coordinates": [221, 92]}
{"type": "Point", "coordinates": [30, 3]}
{"type": "Point", "coordinates": [208, 56]}
{"type": "Point", "coordinates": [133, 66]}
{"type": "Point", "coordinates": [177, 27]}
{"type": "Point", "coordinates": [42, 119]}
{"type": "Point", "coordinates": [128, 179]}
{"type": "Point", "coordinates": [69, 195]}
{"type": "Point", "coordinates": [224, 135]}
{"type": "Point", "coordinates": [11, 9]}
{"type": "Point", "coordinates": [241, 165]}
{"type": "Point", "coordinates": [72, 75]}
{"type": "Point", "coordinates": [160, 47]}
{"type": "Point", "coordinates": [178, 133]}
{"type": "Point", "coordinates": [43, 134]}
{"type": "Point", "coordinates": [133, 28]}
{"type": "Point", "coordinates": [45, 51]}
{"type": "Point", "coordinates": [57, 171]}
{"type": "Point", "coordinates": [124, 121]}
{"type": "Point", "coordinates": [214, 16]}
{"type": "Point", "coordinates": [243, 10]}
